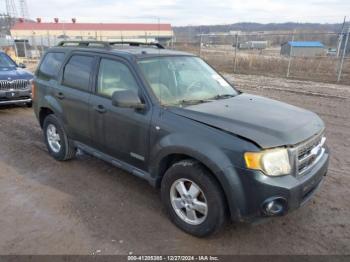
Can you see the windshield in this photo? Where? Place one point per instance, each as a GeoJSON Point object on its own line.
{"type": "Point", "coordinates": [6, 61]}
{"type": "Point", "coordinates": [181, 80]}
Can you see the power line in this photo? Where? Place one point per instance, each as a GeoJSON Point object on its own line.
{"type": "Point", "coordinates": [11, 8]}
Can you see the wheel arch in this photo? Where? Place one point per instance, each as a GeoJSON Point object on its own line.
{"type": "Point", "coordinates": [49, 106]}
{"type": "Point", "coordinates": [167, 160]}
{"type": "Point", "coordinates": [228, 182]}
{"type": "Point", "coordinates": [43, 113]}
{"type": "Point", "coordinates": [172, 158]}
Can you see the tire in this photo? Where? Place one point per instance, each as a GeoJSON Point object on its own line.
{"type": "Point", "coordinates": [29, 104]}
{"type": "Point", "coordinates": [188, 171]}
{"type": "Point", "coordinates": [65, 150]}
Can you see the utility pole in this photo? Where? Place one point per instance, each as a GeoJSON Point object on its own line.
{"type": "Point", "coordinates": [11, 12]}
{"type": "Point", "coordinates": [24, 9]}
{"type": "Point", "coordinates": [235, 59]}
{"type": "Point", "coordinates": [11, 8]}
{"type": "Point", "coordinates": [340, 38]}
{"type": "Point", "coordinates": [290, 55]}
{"type": "Point", "coordinates": [344, 53]}
{"type": "Point", "coordinates": [200, 45]}
{"type": "Point", "coordinates": [200, 41]}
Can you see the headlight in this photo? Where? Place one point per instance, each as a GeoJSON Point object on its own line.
{"type": "Point", "coordinates": [31, 86]}
{"type": "Point", "coordinates": [30, 83]}
{"type": "Point", "coordinates": [273, 162]}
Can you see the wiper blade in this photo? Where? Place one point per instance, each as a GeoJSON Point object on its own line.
{"type": "Point", "coordinates": [193, 101]}
{"type": "Point", "coordinates": [199, 101]}
{"type": "Point", "coordinates": [224, 96]}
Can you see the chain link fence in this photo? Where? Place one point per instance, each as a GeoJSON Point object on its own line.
{"type": "Point", "coordinates": [321, 57]}
{"type": "Point", "coordinates": [29, 49]}
{"type": "Point", "coordinates": [34, 46]}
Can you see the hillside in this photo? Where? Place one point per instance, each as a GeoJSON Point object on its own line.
{"type": "Point", "coordinates": [190, 32]}
{"type": "Point", "coordinates": [249, 27]}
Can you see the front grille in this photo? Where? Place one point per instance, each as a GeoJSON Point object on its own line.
{"type": "Point", "coordinates": [7, 85]}
{"type": "Point", "coordinates": [309, 152]}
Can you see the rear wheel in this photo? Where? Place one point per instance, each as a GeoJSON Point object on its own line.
{"type": "Point", "coordinates": [57, 142]}
{"type": "Point", "coordinates": [193, 198]}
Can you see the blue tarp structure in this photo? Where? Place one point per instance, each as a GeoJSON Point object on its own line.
{"type": "Point", "coordinates": [305, 44]}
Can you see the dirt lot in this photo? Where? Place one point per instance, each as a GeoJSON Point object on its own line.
{"type": "Point", "coordinates": [86, 206]}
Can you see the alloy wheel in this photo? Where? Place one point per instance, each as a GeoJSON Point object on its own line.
{"type": "Point", "coordinates": [188, 201]}
{"type": "Point", "coordinates": [53, 138]}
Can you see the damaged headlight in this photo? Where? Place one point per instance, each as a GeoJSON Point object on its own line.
{"type": "Point", "coordinates": [273, 162]}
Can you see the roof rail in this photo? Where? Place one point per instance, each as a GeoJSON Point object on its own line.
{"type": "Point", "coordinates": [105, 44]}
{"type": "Point", "coordinates": [131, 43]}
{"type": "Point", "coordinates": [84, 43]}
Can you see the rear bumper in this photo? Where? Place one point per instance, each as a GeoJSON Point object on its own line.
{"type": "Point", "coordinates": [292, 191]}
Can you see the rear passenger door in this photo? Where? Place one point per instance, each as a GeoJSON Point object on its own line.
{"type": "Point", "coordinates": [120, 132]}
{"type": "Point", "coordinates": [47, 76]}
{"type": "Point", "coordinates": [74, 94]}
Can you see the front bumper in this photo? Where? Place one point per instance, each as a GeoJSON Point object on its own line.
{"type": "Point", "coordinates": [10, 97]}
{"type": "Point", "coordinates": [294, 191]}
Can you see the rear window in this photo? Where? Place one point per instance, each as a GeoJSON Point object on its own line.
{"type": "Point", "coordinates": [51, 65]}
{"type": "Point", "coordinates": [77, 72]}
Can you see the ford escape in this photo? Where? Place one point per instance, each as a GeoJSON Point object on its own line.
{"type": "Point", "coordinates": [169, 118]}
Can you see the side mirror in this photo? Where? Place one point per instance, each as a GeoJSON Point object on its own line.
{"type": "Point", "coordinates": [21, 65]}
{"type": "Point", "coordinates": [127, 99]}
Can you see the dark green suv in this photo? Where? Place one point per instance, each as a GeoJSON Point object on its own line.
{"type": "Point", "coordinates": [169, 118]}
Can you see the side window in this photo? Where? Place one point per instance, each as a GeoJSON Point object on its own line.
{"type": "Point", "coordinates": [77, 72]}
{"type": "Point", "coordinates": [114, 76]}
{"type": "Point", "coordinates": [51, 65]}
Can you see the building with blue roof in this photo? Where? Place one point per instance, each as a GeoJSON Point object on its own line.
{"type": "Point", "coordinates": [303, 48]}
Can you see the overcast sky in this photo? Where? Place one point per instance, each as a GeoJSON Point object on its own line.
{"type": "Point", "coordinates": [192, 12]}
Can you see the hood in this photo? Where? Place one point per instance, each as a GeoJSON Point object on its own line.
{"type": "Point", "coordinates": [269, 123]}
{"type": "Point", "coordinates": [14, 73]}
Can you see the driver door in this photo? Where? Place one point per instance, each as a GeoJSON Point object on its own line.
{"type": "Point", "coordinates": [122, 133]}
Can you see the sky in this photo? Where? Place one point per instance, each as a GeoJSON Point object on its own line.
{"type": "Point", "coordinates": [191, 12]}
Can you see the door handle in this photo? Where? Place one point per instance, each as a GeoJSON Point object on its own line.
{"type": "Point", "coordinates": [60, 95]}
{"type": "Point", "coordinates": [100, 108]}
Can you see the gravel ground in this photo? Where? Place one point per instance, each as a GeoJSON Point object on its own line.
{"type": "Point", "coordinates": [86, 206]}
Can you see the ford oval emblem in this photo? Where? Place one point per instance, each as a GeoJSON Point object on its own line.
{"type": "Point", "coordinates": [9, 78]}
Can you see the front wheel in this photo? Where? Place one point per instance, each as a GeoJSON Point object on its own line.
{"type": "Point", "coordinates": [57, 142]}
{"type": "Point", "coordinates": [193, 198]}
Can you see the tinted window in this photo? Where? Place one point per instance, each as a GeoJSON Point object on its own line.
{"type": "Point", "coordinates": [51, 65]}
{"type": "Point", "coordinates": [114, 76]}
{"type": "Point", "coordinates": [77, 72]}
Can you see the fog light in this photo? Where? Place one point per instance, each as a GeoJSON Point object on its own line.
{"type": "Point", "coordinates": [274, 207]}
